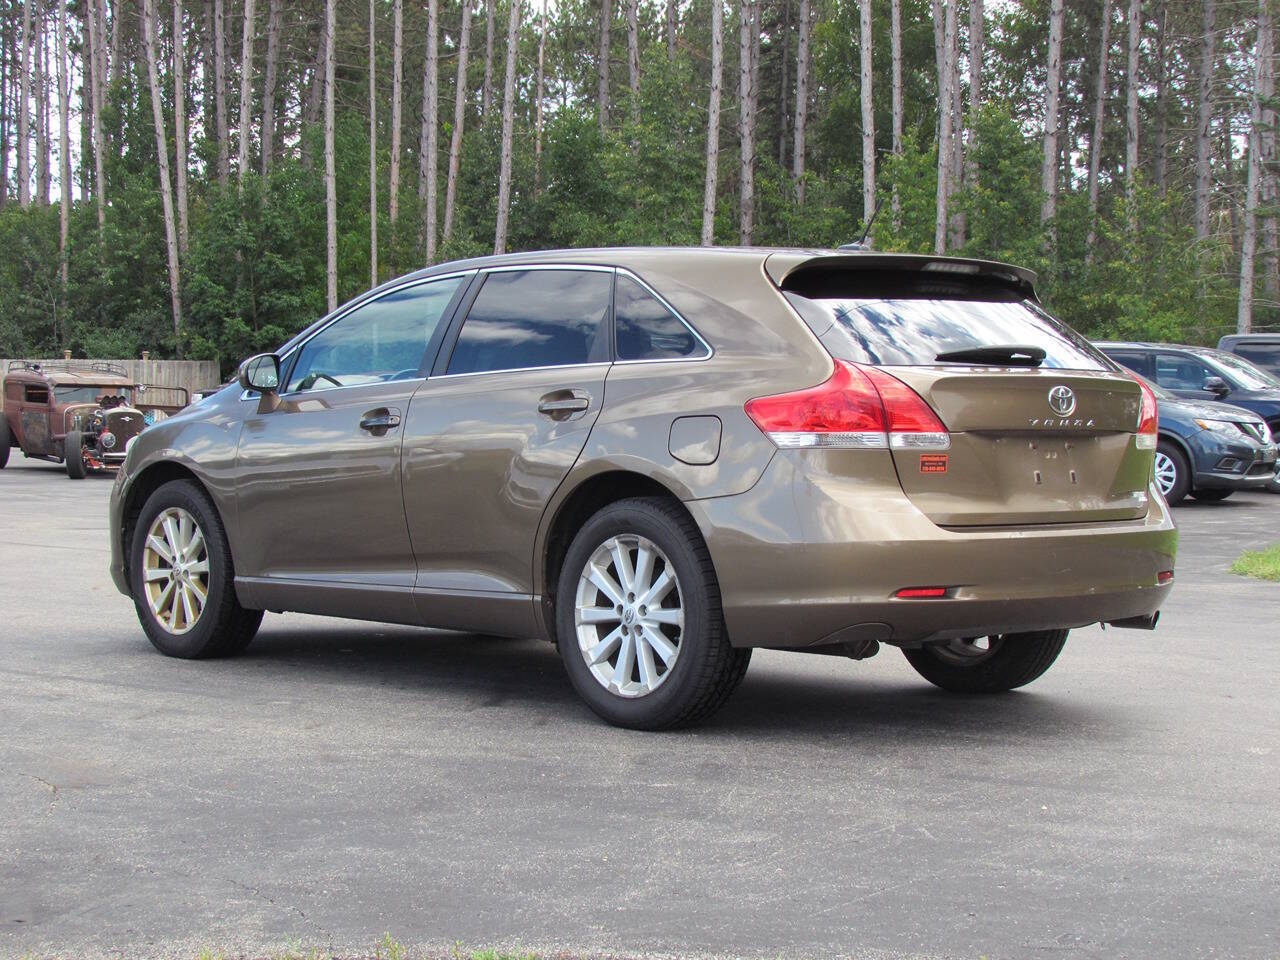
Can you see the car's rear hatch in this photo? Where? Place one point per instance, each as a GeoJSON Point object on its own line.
{"type": "Point", "coordinates": [1042, 429]}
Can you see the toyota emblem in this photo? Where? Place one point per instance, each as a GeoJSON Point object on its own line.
{"type": "Point", "coordinates": [1062, 401]}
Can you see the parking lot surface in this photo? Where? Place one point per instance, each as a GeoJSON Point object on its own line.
{"type": "Point", "coordinates": [342, 780]}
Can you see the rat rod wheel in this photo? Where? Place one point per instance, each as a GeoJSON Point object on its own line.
{"type": "Point", "coordinates": [4, 441]}
{"type": "Point", "coordinates": [73, 453]}
{"type": "Point", "coordinates": [182, 578]}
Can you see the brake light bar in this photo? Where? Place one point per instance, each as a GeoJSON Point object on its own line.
{"type": "Point", "coordinates": [1148, 420]}
{"type": "Point", "coordinates": [857, 406]}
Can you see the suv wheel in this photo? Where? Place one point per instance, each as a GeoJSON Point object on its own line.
{"type": "Point", "coordinates": [1173, 475]}
{"type": "Point", "coordinates": [988, 664]}
{"type": "Point", "coordinates": [73, 454]}
{"type": "Point", "coordinates": [638, 619]}
{"type": "Point", "coordinates": [182, 579]}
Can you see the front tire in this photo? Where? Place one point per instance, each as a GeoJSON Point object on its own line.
{"type": "Point", "coordinates": [182, 578]}
{"type": "Point", "coordinates": [988, 664]}
{"type": "Point", "coordinates": [638, 619]}
{"type": "Point", "coordinates": [73, 454]}
{"type": "Point", "coordinates": [1173, 474]}
{"type": "Point", "coordinates": [1211, 496]}
{"type": "Point", "coordinates": [5, 440]}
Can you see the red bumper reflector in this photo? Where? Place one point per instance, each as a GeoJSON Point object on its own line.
{"type": "Point", "coordinates": [920, 593]}
{"type": "Point", "coordinates": [1164, 576]}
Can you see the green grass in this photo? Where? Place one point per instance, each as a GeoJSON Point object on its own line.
{"type": "Point", "coordinates": [1262, 564]}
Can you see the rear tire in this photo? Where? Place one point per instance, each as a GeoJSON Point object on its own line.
{"type": "Point", "coordinates": [220, 626]}
{"type": "Point", "coordinates": [73, 453]}
{"type": "Point", "coordinates": [1011, 660]}
{"type": "Point", "coordinates": [1211, 496]}
{"type": "Point", "coordinates": [1173, 474]}
{"type": "Point", "coordinates": [668, 663]}
{"type": "Point", "coordinates": [5, 440]}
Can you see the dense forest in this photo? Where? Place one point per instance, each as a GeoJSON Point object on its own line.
{"type": "Point", "coordinates": [204, 177]}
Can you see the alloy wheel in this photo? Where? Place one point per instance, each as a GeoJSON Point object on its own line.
{"type": "Point", "coordinates": [175, 570]}
{"type": "Point", "coordinates": [1166, 472]}
{"type": "Point", "coordinates": [629, 615]}
{"type": "Point", "coordinates": [967, 651]}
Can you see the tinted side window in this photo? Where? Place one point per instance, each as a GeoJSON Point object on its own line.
{"type": "Point", "coordinates": [1176, 371]}
{"type": "Point", "coordinates": [535, 318]}
{"type": "Point", "coordinates": [645, 329]}
{"type": "Point", "coordinates": [37, 395]}
{"type": "Point", "coordinates": [380, 340]}
{"type": "Point", "coordinates": [1134, 361]}
{"type": "Point", "coordinates": [1265, 355]}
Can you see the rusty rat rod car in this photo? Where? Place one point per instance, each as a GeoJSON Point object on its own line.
{"type": "Point", "coordinates": [82, 414]}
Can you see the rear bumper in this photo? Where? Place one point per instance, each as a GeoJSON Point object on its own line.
{"type": "Point", "coordinates": [806, 558]}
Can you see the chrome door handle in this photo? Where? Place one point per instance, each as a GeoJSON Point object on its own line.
{"type": "Point", "coordinates": [571, 405]}
{"type": "Point", "coordinates": [380, 422]}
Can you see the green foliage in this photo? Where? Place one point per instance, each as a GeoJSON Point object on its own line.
{"type": "Point", "coordinates": [254, 272]}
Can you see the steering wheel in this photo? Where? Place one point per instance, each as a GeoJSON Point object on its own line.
{"type": "Point", "coordinates": [311, 379]}
{"type": "Point", "coordinates": [407, 374]}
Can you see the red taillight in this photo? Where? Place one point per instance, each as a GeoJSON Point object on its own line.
{"type": "Point", "coordinates": [1164, 576]}
{"type": "Point", "coordinates": [1148, 419]}
{"type": "Point", "coordinates": [856, 407]}
{"type": "Point", "coordinates": [921, 593]}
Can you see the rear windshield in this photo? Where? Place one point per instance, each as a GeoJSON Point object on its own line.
{"type": "Point", "coordinates": [912, 331]}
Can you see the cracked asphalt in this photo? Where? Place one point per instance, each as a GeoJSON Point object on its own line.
{"type": "Point", "coordinates": [345, 780]}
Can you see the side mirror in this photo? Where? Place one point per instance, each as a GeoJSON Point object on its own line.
{"type": "Point", "coordinates": [260, 374]}
{"type": "Point", "coordinates": [1217, 386]}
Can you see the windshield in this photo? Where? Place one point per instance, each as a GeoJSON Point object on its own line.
{"type": "Point", "coordinates": [92, 394]}
{"type": "Point", "coordinates": [914, 331]}
{"type": "Point", "coordinates": [1244, 373]}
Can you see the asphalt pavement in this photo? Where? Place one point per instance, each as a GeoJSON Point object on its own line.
{"type": "Point", "coordinates": [344, 780]}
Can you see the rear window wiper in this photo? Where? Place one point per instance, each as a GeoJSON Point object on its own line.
{"type": "Point", "coordinates": [1008, 355]}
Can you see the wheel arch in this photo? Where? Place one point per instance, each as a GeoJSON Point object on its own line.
{"type": "Point", "coordinates": [147, 482]}
{"type": "Point", "coordinates": [1185, 450]}
{"type": "Point", "coordinates": [575, 507]}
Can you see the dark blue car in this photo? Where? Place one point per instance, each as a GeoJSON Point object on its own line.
{"type": "Point", "coordinates": [1213, 377]}
{"type": "Point", "coordinates": [1209, 450]}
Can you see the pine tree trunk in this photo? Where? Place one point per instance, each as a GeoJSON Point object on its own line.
{"type": "Point", "coordinates": [1099, 127]}
{"type": "Point", "coordinates": [802, 102]}
{"type": "Point", "coordinates": [1160, 146]}
{"type": "Point", "coordinates": [486, 93]}
{"type": "Point", "coordinates": [633, 57]}
{"type": "Point", "coordinates": [673, 25]}
{"type": "Point", "coordinates": [508, 124]}
{"type": "Point", "coordinates": [64, 145]}
{"type": "Point", "coordinates": [180, 126]}
{"type": "Point", "coordinates": [1132, 81]}
{"type": "Point", "coordinates": [5, 73]}
{"type": "Point", "coordinates": [713, 124]}
{"type": "Point", "coordinates": [1204, 121]}
{"type": "Point", "coordinates": [1049, 166]}
{"type": "Point", "coordinates": [24, 112]}
{"type": "Point", "coordinates": [1249, 237]}
{"type": "Point", "coordinates": [868, 115]}
{"type": "Point", "coordinates": [428, 141]}
{"type": "Point", "coordinates": [459, 115]}
{"type": "Point", "coordinates": [538, 97]}
{"type": "Point", "coordinates": [246, 90]}
{"type": "Point", "coordinates": [602, 65]}
{"type": "Point", "coordinates": [783, 84]}
{"type": "Point", "coordinates": [977, 45]}
{"type": "Point", "coordinates": [895, 81]}
{"type": "Point", "coordinates": [956, 225]}
{"type": "Point", "coordinates": [373, 146]}
{"type": "Point", "coordinates": [42, 113]}
{"type": "Point", "coordinates": [397, 96]}
{"type": "Point", "coordinates": [946, 76]}
{"type": "Point", "coordinates": [330, 175]}
{"type": "Point", "coordinates": [97, 47]}
{"type": "Point", "coordinates": [162, 154]}
{"type": "Point", "coordinates": [746, 131]}
{"type": "Point", "coordinates": [220, 90]}
{"type": "Point", "coordinates": [275, 13]}
{"type": "Point", "coordinates": [1268, 197]}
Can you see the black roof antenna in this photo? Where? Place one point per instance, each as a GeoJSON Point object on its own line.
{"type": "Point", "coordinates": [861, 242]}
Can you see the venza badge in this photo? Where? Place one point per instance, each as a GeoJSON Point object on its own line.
{"type": "Point", "coordinates": [1062, 401]}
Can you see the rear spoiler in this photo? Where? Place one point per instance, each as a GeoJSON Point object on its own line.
{"type": "Point", "coordinates": [800, 271]}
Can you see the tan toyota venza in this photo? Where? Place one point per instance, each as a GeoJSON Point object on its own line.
{"type": "Point", "coordinates": [661, 459]}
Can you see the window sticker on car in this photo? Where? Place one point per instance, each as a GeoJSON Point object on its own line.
{"type": "Point", "coordinates": [933, 463]}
